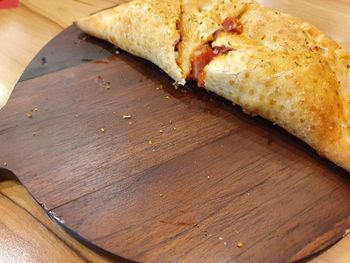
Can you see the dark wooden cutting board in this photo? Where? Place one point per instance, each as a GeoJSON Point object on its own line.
{"type": "Point", "coordinates": [183, 180]}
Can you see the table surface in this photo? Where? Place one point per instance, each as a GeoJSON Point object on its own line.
{"type": "Point", "coordinates": [21, 40]}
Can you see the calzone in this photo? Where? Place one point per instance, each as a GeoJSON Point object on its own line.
{"type": "Point", "coordinates": [269, 63]}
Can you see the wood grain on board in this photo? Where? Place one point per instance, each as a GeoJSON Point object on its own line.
{"type": "Point", "coordinates": [28, 235]}
{"type": "Point", "coordinates": [26, 29]}
{"type": "Point", "coordinates": [149, 200]}
{"type": "Point", "coordinates": [186, 178]}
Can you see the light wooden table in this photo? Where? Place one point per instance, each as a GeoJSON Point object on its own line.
{"type": "Point", "coordinates": [26, 29]}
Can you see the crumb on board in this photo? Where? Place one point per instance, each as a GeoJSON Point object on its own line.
{"type": "Point", "coordinates": [126, 117]}
{"type": "Point", "coordinates": [167, 97]}
{"type": "Point", "coordinates": [161, 131]}
{"type": "Point", "coordinates": [5, 163]}
{"type": "Point", "coordinates": [34, 133]}
{"type": "Point", "coordinates": [160, 195]}
{"type": "Point", "coordinates": [103, 83]}
{"type": "Point", "coordinates": [220, 238]}
{"type": "Point", "coordinates": [240, 244]}
{"type": "Point", "coordinates": [80, 39]}
{"type": "Point", "coordinates": [130, 122]}
{"type": "Point", "coordinates": [176, 85]}
{"type": "Point", "coordinates": [29, 115]}
{"type": "Point", "coordinates": [208, 177]}
{"type": "Point", "coordinates": [150, 142]}
{"type": "Point", "coordinates": [117, 50]}
{"type": "Point", "coordinates": [174, 128]}
{"type": "Point", "coordinates": [102, 130]}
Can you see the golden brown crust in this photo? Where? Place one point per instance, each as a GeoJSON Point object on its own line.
{"type": "Point", "coordinates": [291, 74]}
{"type": "Point", "coordinates": [200, 19]}
{"type": "Point", "coordinates": [281, 68]}
{"type": "Point", "coordinates": [145, 28]}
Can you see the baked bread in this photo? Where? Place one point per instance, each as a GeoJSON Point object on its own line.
{"type": "Point", "coordinates": [270, 63]}
{"type": "Point", "coordinates": [144, 28]}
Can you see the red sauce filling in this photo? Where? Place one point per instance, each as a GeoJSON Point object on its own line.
{"type": "Point", "coordinates": [231, 24]}
{"type": "Point", "coordinates": [221, 50]}
{"type": "Point", "coordinates": [217, 32]}
{"type": "Point", "coordinates": [203, 54]}
{"type": "Point", "coordinates": [200, 58]}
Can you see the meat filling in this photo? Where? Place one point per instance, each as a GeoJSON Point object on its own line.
{"type": "Point", "coordinates": [205, 53]}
